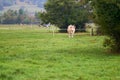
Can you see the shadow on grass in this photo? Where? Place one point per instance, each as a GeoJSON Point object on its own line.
{"type": "Point", "coordinates": [9, 73]}
{"type": "Point", "coordinates": [91, 53]}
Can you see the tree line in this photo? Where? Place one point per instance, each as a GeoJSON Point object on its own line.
{"type": "Point", "coordinates": [17, 17]}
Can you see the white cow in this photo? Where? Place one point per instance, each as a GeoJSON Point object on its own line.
{"type": "Point", "coordinates": [71, 30]}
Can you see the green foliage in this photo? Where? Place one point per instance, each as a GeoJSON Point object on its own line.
{"type": "Point", "coordinates": [65, 12]}
{"type": "Point", "coordinates": [108, 43]}
{"type": "Point", "coordinates": [107, 14]}
{"type": "Point", "coordinates": [21, 11]}
{"type": "Point", "coordinates": [9, 17]}
{"type": "Point", "coordinates": [15, 17]}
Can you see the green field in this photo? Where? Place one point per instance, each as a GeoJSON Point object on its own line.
{"type": "Point", "coordinates": [35, 54]}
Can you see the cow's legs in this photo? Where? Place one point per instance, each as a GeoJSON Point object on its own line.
{"type": "Point", "coordinates": [72, 34]}
{"type": "Point", "coordinates": [69, 35]}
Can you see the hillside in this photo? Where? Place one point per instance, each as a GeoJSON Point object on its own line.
{"type": "Point", "coordinates": [27, 5]}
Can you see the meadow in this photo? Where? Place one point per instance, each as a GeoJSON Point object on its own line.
{"type": "Point", "coordinates": [33, 53]}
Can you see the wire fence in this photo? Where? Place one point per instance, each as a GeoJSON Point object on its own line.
{"type": "Point", "coordinates": [51, 29]}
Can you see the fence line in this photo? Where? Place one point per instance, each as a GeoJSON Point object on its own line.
{"type": "Point", "coordinates": [50, 29]}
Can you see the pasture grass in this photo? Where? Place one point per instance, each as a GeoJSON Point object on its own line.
{"type": "Point", "coordinates": [35, 54]}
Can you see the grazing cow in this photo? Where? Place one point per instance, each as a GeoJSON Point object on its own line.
{"type": "Point", "coordinates": [71, 30]}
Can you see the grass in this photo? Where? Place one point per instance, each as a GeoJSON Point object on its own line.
{"type": "Point", "coordinates": [34, 54]}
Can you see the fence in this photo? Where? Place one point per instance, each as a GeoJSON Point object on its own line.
{"type": "Point", "coordinates": [51, 29]}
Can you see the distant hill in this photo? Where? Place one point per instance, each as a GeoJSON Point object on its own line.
{"type": "Point", "coordinates": [31, 6]}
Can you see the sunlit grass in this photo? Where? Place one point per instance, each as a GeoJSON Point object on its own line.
{"type": "Point", "coordinates": [35, 54]}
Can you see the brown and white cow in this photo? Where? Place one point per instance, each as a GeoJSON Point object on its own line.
{"type": "Point", "coordinates": [71, 30]}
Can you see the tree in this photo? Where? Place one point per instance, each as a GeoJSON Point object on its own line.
{"type": "Point", "coordinates": [15, 17]}
{"type": "Point", "coordinates": [107, 15]}
{"type": "Point", "coordinates": [64, 12]}
{"type": "Point", "coordinates": [21, 15]}
{"type": "Point", "coordinates": [9, 17]}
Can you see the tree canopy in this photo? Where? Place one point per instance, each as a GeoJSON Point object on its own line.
{"type": "Point", "coordinates": [107, 15]}
{"type": "Point", "coordinates": [64, 12]}
{"type": "Point", "coordinates": [15, 17]}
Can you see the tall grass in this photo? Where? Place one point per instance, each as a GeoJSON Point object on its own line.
{"type": "Point", "coordinates": [34, 54]}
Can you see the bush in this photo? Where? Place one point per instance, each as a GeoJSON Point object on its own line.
{"type": "Point", "coordinates": [107, 15]}
{"type": "Point", "coordinates": [111, 45]}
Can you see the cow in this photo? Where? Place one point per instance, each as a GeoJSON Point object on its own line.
{"type": "Point", "coordinates": [71, 30]}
